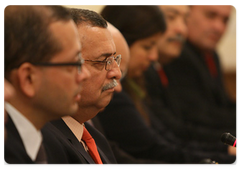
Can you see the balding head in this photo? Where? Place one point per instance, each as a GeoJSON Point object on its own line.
{"type": "Point", "coordinates": [121, 48]}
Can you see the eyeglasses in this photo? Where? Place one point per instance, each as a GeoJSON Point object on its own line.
{"type": "Point", "coordinates": [109, 62]}
{"type": "Point", "coordinates": [49, 64]}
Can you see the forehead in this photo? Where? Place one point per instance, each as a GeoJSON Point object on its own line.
{"type": "Point", "coordinates": [96, 42]}
{"type": "Point", "coordinates": [122, 48]}
{"type": "Point", "coordinates": [221, 10]}
{"type": "Point", "coordinates": [66, 36]}
{"type": "Point", "coordinates": [176, 9]}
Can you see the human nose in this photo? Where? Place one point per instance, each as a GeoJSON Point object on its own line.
{"type": "Point", "coordinates": [83, 75]}
{"type": "Point", "coordinates": [114, 72]}
{"type": "Point", "coordinates": [153, 55]}
{"type": "Point", "coordinates": [181, 27]}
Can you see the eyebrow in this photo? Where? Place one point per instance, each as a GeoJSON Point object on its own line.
{"type": "Point", "coordinates": [106, 55]}
{"type": "Point", "coordinates": [176, 11]}
{"type": "Point", "coordinates": [172, 10]}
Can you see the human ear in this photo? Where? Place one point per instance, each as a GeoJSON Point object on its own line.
{"type": "Point", "coordinates": [26, 75]}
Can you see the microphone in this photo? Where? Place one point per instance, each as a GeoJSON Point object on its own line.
{"type": "Point", "coordinates": [229, 139]}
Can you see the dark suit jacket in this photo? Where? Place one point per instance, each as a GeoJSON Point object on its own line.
{"type": "Point", "coordinates": [14, 150]}
{"type": "Point", "coordinates": [123, 124]}
{"type": "Point", "coordinates": [194, 105]}
{"type": "Point", "coordinates": [58, 148]}
{"type": "Point", "coordinates": [121, 156]}
{"type": "Point", "coordinates": [74, 149]}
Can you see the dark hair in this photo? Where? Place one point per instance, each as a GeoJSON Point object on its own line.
{"type": "Point", "coordinates": [135, 22]}
{"type": "Point", "coordinates": [92, 18]}
{"type": "Point", "coordinates": [27, 37]}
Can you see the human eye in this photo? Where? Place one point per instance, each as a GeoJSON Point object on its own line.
{"type": "Point", "coordinates": [170, 16]}
{"type": "Point", "coordinates": [109, 61]}
{"type": "Point", "coordinates": [147, 47]}
{"type": "Point", "coordinates": [210, 15]}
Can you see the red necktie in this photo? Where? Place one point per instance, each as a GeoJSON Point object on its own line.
{"type": "Point", "coordinates": [211, 64]}
{"type": "Point", "coordinates": [92, 147]}
{"type": "Point", "coordinates": [163, 77]}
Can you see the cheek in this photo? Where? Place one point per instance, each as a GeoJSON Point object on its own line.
{"type": "Point", "coordinates": [93, 85]}
{"type": "Point", "coordinates": [66, 83]}
{"type": "Point", "coordinates": [132, 64]}
{"type": "Point", "coordinates": [136, 58]}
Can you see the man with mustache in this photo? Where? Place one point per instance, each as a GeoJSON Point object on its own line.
{"type": "Point", "coordinates": [99, 53]}
{"type": "Point", "coordinates": [162, 101]}
{"type": "Point", "coordinates": [171, 43]}
{"type": "Point", "coordinates": [40, 43]}
{"type": "Point", "coordinates": [189, 98]}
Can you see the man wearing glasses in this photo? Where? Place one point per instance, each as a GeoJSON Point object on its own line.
{"type": "Point", "coordinates": [43, 63]}
{"type": "Point", "coordinates": [102, 61]}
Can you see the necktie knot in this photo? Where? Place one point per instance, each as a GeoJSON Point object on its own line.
{"type": "Point", "coordinates": [163, 77]}
{"type": "Point", "coordinates": [86, 136]}
{"type": "Point", "coordinates": [211, 64]}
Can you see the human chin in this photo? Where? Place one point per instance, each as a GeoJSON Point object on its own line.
{"type": "Point", "coordinates": [74, 109]}
{"type": "Point", "coordinates": [105, 100]}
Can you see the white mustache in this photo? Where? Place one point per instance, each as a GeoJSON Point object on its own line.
{"type": "Point", "coordinates": [110, 85]}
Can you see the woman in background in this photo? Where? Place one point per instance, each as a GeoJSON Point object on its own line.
{"type": "Point", "coordinates": [126, 120]}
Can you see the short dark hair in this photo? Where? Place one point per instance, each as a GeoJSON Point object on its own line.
{"type": "Point", "coordinates": [27, 37]}
{"type": "Point", "coordinates": [92, 18]}
{"type": "Point", "coordinates": [135, 22]}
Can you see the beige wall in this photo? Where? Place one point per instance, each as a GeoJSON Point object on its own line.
{"type": "Point", "coordinates": [96, 8]}
{"type": "Point", "coordinates": [226, 47]}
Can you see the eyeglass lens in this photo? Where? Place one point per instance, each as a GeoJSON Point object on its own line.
{"type": "Point", "coordinates": [110, 62]}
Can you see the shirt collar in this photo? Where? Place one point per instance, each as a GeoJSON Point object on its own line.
{"type": "Point", "coordinates": [31, 137]}
{"type": "Point", "coordinates": [75, 127]}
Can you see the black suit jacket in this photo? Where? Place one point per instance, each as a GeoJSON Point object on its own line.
{"type": "Point", "coordinates": [59, 149]}
{"type": "Point", "coordinates": [73, 148]}
{"type": "Point", "coordinates": [123, 124]}
{"type": "Point", "coordinates": [14, 150]}
{"type": "Point", "coordinates": [194, 103]}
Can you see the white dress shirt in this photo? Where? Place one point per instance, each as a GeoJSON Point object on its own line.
{"type": "Point", "coordinates": [31, 137]}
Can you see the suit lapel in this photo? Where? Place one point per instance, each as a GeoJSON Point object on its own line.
{"type": "Point", "coordinates": [103, 156]}
{"type": "Point", "coordinates": [61, 125]}
{"type": "Point", "coordinates": [14, 143]}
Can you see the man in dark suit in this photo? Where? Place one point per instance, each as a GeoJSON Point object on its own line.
{"type": "Point", "coordinates": [98, 50]}
{"type": "Point", "coordinates": [37, 38]}
{"type": "Point", "coordinates": [186, 94]}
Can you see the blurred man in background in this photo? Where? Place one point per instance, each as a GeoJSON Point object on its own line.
{"type": "Point", "coordinates": [188, 95]}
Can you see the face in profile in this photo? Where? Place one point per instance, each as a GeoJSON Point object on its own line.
{"type": "Point", "coordinates": [58, 88]}
{"type": "Point", "coordinates": [171, 42]}
{"type": "Point", "coordinates": [207, 24]}
{"type": "Point", "coordinates": [98, 46]}
{"type": "Point", "coordinates": [123, 49]}
{"type": "Point", "coordinates": [142, 53]}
